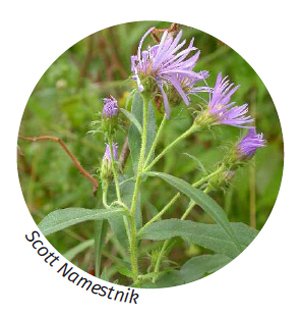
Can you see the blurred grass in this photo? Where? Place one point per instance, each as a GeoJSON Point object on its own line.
{"type": "Point", "coordinates": [66, 99]}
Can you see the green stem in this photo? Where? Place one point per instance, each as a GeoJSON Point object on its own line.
{"type": "Point", "coordinates": [161, 213]}
{"type": "Point", "coordinates": [125, 221]}
{"type": "Point", "coordinates": [160, 257]}
{"type": "Point", "coordinates": [118, 191]}
{"type": "Point", "coordinates": [192, 205]}
{"type": "Point", "coordinates": [154, 144]}
{"type": "Point", "coordinates": [188, 210]}
{"type": "Point", "coordinates": [114, 171]}
{"type": "Point", "coordinates": [206, 178]}
{"type": "Point", "coordinates": [133, 238]}
{"type": "Point", "coordinates": [191, 130]}
{"type": "Point", "coordinates": [104, 195]}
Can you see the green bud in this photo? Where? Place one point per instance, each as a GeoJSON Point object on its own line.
{"type": "Point", "coordinates": [221, 180]}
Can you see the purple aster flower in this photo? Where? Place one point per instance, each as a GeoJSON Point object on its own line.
{"type": "Point", "coordinates": [248, 145]}
{"type": "Point", "coordinates": [222, 109]}
{"type": "Point", "coordinates": [110, 108]}
{"type": "Point", "coordinates": [166, 65]}
{"type": "Point", "coordinates": [107, 154]}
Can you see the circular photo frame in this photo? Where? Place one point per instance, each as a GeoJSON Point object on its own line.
{"type": "Point", "coordinates": [150, 155]}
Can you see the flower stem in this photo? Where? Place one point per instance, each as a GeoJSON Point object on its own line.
{"type": "Point", "coordinates": [104, 195]}
{"type": "Point", "coordinates": [154, 144]}
{"type": "Point", "coordinates": [192, 205]}
{"type": "Point", "coordinates": [206, 178]}
{"type": "Point", "coordinates": [161, 213]}
{"type": "Point", "coordinates": [191, 130]}
{"type": "Point", "coordinates": [133, 238]}
{"type": "Point", "coordinates": [114, 171]}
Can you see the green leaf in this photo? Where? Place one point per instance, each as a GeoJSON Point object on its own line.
{"type": "Point", "coordinates": [210, 236]}
{"type": "Point", "coordinates": [73, 252]}
{"type": "Point", "coordinates": [101, 227]}
{"type": "Point", "coordinates": [134, 136]}
{"type": "Point", "coordinates": [133, 119]}
{"type": "Point", "coordinates": [203, 200]}
{"type": "Point", "coordinates": [63, 218]}
{"type": "Point", "coordinates": [193, 269]}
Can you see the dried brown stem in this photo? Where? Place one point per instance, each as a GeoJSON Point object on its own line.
{"type": "Point", "coordinates": [65, 148]}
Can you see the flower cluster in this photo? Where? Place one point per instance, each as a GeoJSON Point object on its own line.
{"type": "Point", "coordinates": [170, 69]}
{"type": "Point", "coordinates": [167, 66]}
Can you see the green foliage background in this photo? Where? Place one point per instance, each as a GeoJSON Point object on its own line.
{"type": "Point", "coordinates": [68, 96]}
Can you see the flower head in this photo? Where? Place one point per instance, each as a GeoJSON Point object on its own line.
{"type": "Point", "coordinates": [110, 107]}
{"type": "Point", "coordinates": [107, 154]}
{"type": "Point", "coordinates": [110, 113]}
{"type": "Point", "coordinates": [248, 145]}
{"type": "Point", "coordinates": [222, 110]}
{"type": "Point", "coordinates": [165, 65]}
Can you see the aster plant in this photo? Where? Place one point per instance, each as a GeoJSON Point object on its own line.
{"type": "Point", "coordinates": [166, 72]}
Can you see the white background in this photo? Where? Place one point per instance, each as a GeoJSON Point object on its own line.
{"type": "Point", "coordinates": [265, 278]}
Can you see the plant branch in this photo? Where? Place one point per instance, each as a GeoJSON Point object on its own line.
{"type": "Point", "coordinates": [115, 174]}
{"type": "Point", "coordinates": [73, 158]}
{"type": "Point", "coordinates": [190, 131]}
{"type": "Point", "coordinates": [133, 242]}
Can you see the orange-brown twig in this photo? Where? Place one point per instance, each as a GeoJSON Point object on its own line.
{"type": "Point", "coordinates": [65, 148]}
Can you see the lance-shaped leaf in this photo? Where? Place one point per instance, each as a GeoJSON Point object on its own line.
{"type": "Point", "coordinates": [133, 119]}
{"type": "Point", "coordinates": [73, 252]}
{"type": "Point", "coordinates": [203, 200]}
{"type": "Point", "coordinates": [64, 218]}
{"type": "Point", "coordinates": [193, 269]}
{"type": "Point", "coordinates": [210, 236]}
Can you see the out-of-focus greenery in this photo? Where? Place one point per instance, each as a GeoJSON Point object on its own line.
{"type": "Point", "coordinates": [66, 100]}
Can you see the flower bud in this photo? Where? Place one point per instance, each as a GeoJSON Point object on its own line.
{"type": "Point", "coordinates": [108, 159]}
{"type": "Point", "coordinates": [221, 180]}
{"type": "Point", "coordinates": [248, 145]}
{"type": "Point", "coordinates": [110, 114]}
{"type": "Point", "coordinates": [244, 150]}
